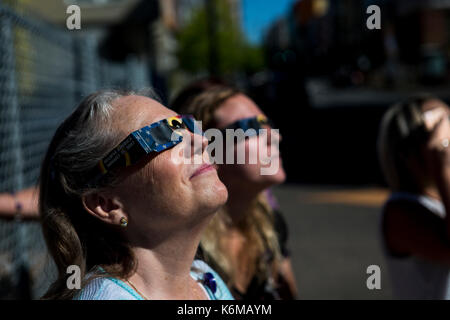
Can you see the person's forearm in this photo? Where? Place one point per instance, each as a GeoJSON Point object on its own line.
{"type": "Point", "coordinates": [7, 205]}
{"type": "Point", "coordinates": [28, 200]}
{"type": "Point", "coordinates": [23, 204]}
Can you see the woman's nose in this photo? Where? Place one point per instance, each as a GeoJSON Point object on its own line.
{"type": "Point", "coordinates": [205, 143]}
{"type": "Point", "coordinates": [198, 143]}
{"type": "Point", "coordinates": [275, 132]}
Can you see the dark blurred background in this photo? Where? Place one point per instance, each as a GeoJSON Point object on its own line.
{"type": "Point", "coordinates": [312, 65]}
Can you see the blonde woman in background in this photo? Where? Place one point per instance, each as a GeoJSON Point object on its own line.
{"type": "Point", "coordinates": [246, 241]}
{"type": "Point", "coordinates": [414, 152]}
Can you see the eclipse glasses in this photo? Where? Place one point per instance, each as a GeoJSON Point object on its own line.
{"type": "Point", "coordinates": [157, 137]}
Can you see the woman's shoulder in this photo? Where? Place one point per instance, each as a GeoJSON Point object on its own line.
{"type": "Point", "coordinates": [399, 213]}
{"type": "Point", "coordinates": [211, 281]}
{"type": "Point", "coordinates": [401, 201]}
{"type": "Point", "coordinates": [405, 221]}
{"type": "Point", "coordinates": [399, 209]}
{"type": "Point", "coordinates": [107, 288]}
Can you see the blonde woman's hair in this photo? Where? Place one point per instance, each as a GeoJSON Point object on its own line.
{"type": "Point", "coordinates": [258, 224]}
{"type": "Point", "coordinates": [257, 227]}
{"type": "Point", "coordinates": [401, 135]}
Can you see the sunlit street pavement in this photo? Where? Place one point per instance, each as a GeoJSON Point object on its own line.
{"type": "Point", "coordinates": [334, 237]}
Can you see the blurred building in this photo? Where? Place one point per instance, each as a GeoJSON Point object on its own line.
{"type": "Point", "coordinates": [337, 77]}
{"type": "Point", "coordinates": [430, 20]}
{"type": "Point", "coordinates": [332, 37]}
{"type": "Point", "coordinates": [101, 13]}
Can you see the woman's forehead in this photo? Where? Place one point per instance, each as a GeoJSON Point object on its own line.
{"type": "Point", "coordinates": [135, 112]}
{"type": "Point", "coordinates": [236, 108]}
{"type": "Point", "coordinates": [434, 104]}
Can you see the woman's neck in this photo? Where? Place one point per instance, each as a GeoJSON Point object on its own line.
{"type": "Point", "coordinates": [238, 205]}
{"type": "Point", "coordinates": [164, 265]}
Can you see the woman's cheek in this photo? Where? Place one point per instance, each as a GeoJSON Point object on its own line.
{"type": "Point", "coordinates": [172, 168]}
{"type": "Point", "coordinates": [250, 167]}
{"type": "Point", "coordinates": [244, 152]}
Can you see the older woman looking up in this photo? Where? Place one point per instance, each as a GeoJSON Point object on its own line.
{"type": "Point", "coordinates": [246, 242]}
{"type": "Point", "coordinates": [115, 204]}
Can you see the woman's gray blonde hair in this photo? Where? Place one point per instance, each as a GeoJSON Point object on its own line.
{"type": "Point", "coordinates": [73, 236]}
{"type": "Point", "coordinates": [400, 138]}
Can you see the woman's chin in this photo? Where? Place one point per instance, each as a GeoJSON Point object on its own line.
{"type": "Point", "coordinates": [277, 177]}
{"type": "Point", "coordinates": [219, 191]}
{"type": "Point", "coordinates": [214, 194]}
{"type": "Point", "coordinates": [280, 177]}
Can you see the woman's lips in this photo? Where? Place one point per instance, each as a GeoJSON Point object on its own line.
{"type": "Point", "coordinates": [202, 169]}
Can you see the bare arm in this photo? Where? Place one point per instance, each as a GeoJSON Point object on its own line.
{"type": "Point", "coordinates": [26, 199]}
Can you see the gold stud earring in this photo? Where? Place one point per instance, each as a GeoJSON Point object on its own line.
{"type": "Point", "coordinates": [123, 222]}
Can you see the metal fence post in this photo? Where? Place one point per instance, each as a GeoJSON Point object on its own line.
{"type": "Point", "coordinates": [10, 108]}
{"type": "Point", "coordinates": [86, 65]}
{"type": "Point", "coordinates": [11, 163]}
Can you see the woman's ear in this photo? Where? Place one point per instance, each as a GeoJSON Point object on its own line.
{"type": "Point", "coordinates": [104, 207]}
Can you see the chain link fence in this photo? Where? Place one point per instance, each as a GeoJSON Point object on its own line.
{"type": "Point", "coordinates": [44, 72]}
